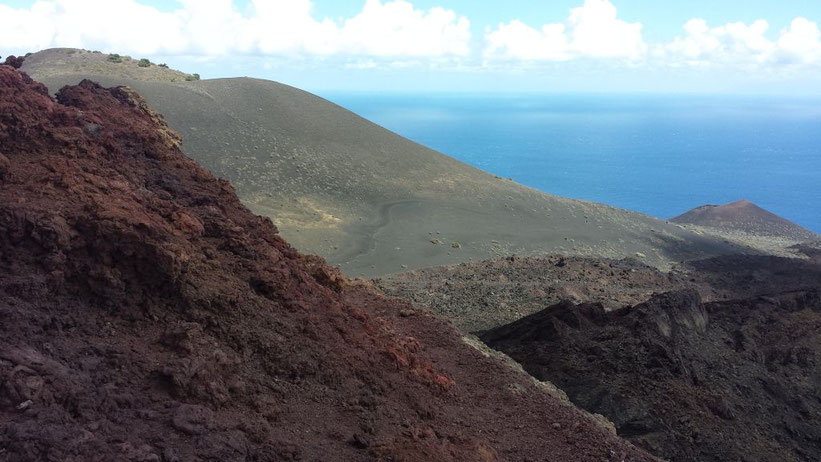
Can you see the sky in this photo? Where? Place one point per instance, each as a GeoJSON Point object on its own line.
{"type": "Point", "coordinates": [693, 46]}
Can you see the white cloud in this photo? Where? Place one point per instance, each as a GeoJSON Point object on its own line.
{"type": "Point", "coordinates": [743, 46]}
{"type": "Point", "coordinates": [516, 40]}
{"type": "Point", "coordinates": [397, 28]}
{"type": "Point", "coordinates": [592, 30]}
{"type": "Point", "coordinates": [800, 43]}
{"type": "Point", "coordinates": [394, 28]}
{"type": "Point", "coordinates": [397, 33]}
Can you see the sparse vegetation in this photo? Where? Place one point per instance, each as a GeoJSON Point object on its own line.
{"type": "Point", "coordinates": [192, 77]}
{"type": "Point", "coordinates": [144, 63]}
{"type": "Point", "coordinates": [163, 65]}
{"type": "Point", "coordinates": [115, 58]}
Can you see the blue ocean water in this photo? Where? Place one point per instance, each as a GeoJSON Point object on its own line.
{"type": "Point", "coordinates": [660, 155]}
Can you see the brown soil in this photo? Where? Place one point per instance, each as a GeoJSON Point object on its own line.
{"type": "Point", "coordinates": [687, 380]}
{"type": "Point", "coordinates": [146, 315]}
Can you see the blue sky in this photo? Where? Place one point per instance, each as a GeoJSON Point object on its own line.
{"type": "Point", "coordinates": [662, 19]}
{"type": "Point", "coordinates": [754, 46]}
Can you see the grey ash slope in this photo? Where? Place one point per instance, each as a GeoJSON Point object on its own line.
{"type": "Point", "coordinates": [746, 217]}
{"type": "Point", "coordinates": [363, 197]}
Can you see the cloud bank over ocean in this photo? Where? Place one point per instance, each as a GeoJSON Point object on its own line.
{"type": "Point", "coordinates": [417, 44]}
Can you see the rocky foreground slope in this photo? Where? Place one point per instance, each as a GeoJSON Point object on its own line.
{"type": "Point", "coordinates": [146, 315]}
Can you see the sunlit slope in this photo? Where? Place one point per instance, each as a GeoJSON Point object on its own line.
{"type": "Point", "coordinates": [746, 217]}
{"type": "Point", "coordinates": [372, 201]}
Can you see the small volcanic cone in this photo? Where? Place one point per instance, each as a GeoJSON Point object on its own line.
{"type": "Point", "coordinates": [747, 217]}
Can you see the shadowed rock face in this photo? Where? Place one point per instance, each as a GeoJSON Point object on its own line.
{"type": "Point", "coordinates": [734, 380]}
{"type": "Point", "coordinates": [746, 217]}
{"type": "Point", "coordinates": [361, 196]}
{"type": "Point", "coordinates": [14, 61]}
{"type": "Point", "coordinates": [146, 315]}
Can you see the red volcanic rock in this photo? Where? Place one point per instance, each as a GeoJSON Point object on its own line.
{"type": "Point", "coordinates": [146, 315]}
{"type": "Point", "coordinates": [14, 61]}
{"type": "Point", "coordinates": [5, 164]}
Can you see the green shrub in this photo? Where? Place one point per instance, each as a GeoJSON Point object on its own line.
{"type": "Point", "coordinates": [144, 63]}
{"type": "Point", "coordinates": [192, 77]}
{"type": "Point", "coordinates": [115, 58]}
{"type": "Point", "coordinates": [163, 65]}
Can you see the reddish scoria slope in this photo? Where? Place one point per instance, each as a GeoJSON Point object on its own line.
{"type": "Point", "coordinates": [146, 315]}
{"type": "Point", "coordinates": [747, 217]}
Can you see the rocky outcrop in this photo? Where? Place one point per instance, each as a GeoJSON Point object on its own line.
{"type": "Point", "coordinates": [14, 61]}
{"type": "Point", "coordinates": [734, 380]}
{"type": "Point", "coordinates": [146, 315]}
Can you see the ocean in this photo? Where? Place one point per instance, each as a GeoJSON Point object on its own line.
{"type": "Point", "coordinates": [659, 155]}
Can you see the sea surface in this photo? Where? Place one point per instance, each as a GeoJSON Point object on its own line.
{"type": "Point", "coordinates": [660, 155]}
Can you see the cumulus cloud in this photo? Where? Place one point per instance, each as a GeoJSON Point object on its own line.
{"type": "Point", "coordinates": [398, 28]}
{"type": "Point", "coordinates": [394, 28]}
{"type": "Point", "coordinates": [397, 33]}
{"type": "Point", "coordinates": [744, 46]}
{"type": "Point", "coordinates": [592, 30]}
